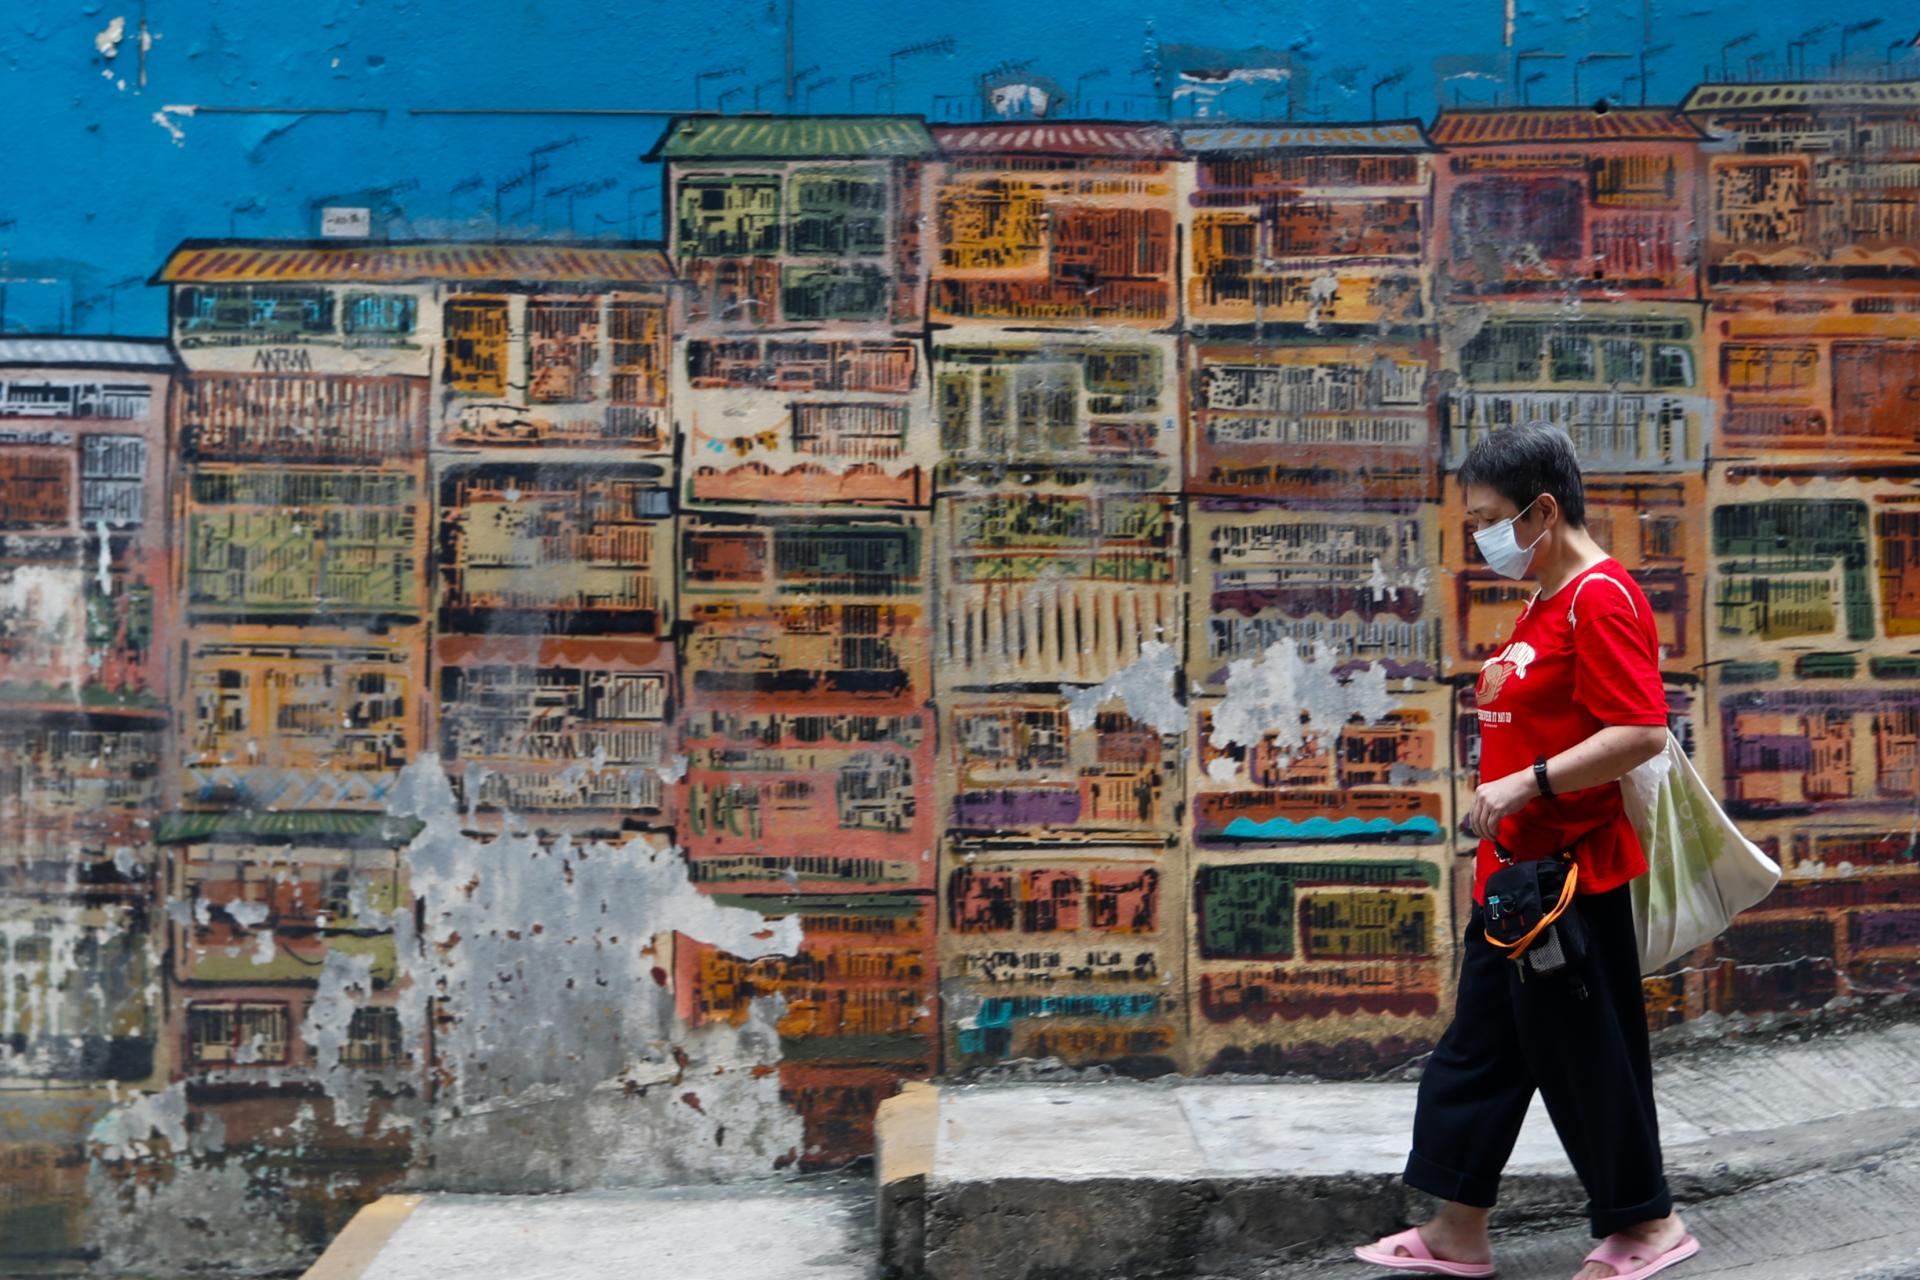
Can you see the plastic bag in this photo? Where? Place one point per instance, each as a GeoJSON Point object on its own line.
{"type": "Point", "coordinates": [1701, 871]}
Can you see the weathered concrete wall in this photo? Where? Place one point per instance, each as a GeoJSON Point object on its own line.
{"type": "Point", "coordinates": [586, 650]}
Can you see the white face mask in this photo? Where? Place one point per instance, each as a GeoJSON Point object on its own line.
{"type": "Point", "coordinates": [1502, 551]}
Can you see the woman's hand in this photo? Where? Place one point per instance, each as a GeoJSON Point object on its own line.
{"type": "Point", "coordinates": [1498, 799]}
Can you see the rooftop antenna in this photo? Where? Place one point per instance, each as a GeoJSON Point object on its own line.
{"type": "Point", "coordinates": [806, 90]}
{"type": "Point", "coordinates": [1373, 99]}
{"type": "Point", "coordinates": [1807, 37]}
{"type": "Point", "coordinates": [251, 206]}
{"type": "Point", "coordinates": [942, 44]}
{"type": "Point", "coordinates": [1588, 59]}
{"type": "Point", "coordinates": [574, 190]}
{"type": "Point", "coordinates": [1080, 86]}
{"type": "Point", "coordinates": [461, 188]}
{"type": "Point", "coordinates": [765, 84]}
{"type": "Point", "coordinates": [501, 188]}
{"type": "Point", "coordinates": [1519, 68]}
{"type": "Point", "coordinates": [717, 73]}
{"type": "Point", "coordinates": [790, 75]}
{"type": "Point", "coordinates": [1646, 56]}
{"type": "Point", "coordinates": [854, 83]}
{"type": "Point", "coordinates": [537, 166]}
{"type": "Point", "coordinates": [1726, 71]}
{"type": "Point", "coordinates": [1854, 29]}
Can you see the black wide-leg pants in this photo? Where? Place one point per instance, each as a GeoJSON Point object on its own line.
{"type": "Point", "coordinates": [1587, 1057]}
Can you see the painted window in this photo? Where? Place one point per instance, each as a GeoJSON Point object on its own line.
{"type": "Point", "coordinates": [236, 1033]}
{"type": "Point", "coordinates": [728, 217]}
{"type": "Point", "coordinates": [1771, 367]}
{"type": "Point", "coordinates": [373, 1038]}
{"type": "Point", "coordinates": [837, 215]}
{"type": "Point", "coordinates": [253, 312]}
{"type": "Point", "coordinates": [477, 346]}
{"type": "Point", "coordinates": [376, 317]}
{"type": "Point", "coordinates": [563, 346]}
{"type": "Point", "coordinates": [833, 293]}
{"type": "Point", "coordinates": [112, 472]}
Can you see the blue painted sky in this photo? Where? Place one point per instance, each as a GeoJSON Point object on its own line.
{"type": "Point", "coordinates": [97, 191]}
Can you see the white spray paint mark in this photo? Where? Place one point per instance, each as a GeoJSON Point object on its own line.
{"type": "Point", "coordinates": [1146, 686]}
{"type": "Point", "coordinates": [1288, 696]}
{"type": "Point", "coordinates": [108, 39]}
{"type": "Point", "coordinates": [1223, 769]}
{"type": "Point", "coordinates": [674, 769]}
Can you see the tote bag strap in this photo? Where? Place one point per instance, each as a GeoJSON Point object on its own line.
{"type": "Point", "coordinates": [1599, 577]}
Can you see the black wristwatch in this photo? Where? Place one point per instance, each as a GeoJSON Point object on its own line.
{"type": "Point", "coordinates": [1540, 776]}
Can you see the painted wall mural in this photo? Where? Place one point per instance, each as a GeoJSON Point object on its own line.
{"type": "Point", "coordinates": [492, 707]}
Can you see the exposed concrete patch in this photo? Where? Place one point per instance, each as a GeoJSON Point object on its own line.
{"type": "Point", "coordinates": [176, 1215]}
{"type": "Point", "coordinates": [566, 1064]}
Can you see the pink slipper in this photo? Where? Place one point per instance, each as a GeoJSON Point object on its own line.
{"type": "Point", "coordinates": [1623, 1253]}
{"type": "Point", "coordinates": [1418, 1257]}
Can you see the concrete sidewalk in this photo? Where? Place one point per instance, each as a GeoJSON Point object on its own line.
{"type": "Point", "coordinates": [1009, 1182]}
{"type": "Point", "coordinates": [1793, 1161]}
{"type": "Point", "coordinates": [814, 1229]}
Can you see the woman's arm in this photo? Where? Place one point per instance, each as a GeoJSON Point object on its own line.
{"type": "Point", "coordinates": [1607, 756]}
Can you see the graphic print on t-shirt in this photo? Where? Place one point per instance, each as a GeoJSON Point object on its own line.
{"type": "Point", "coordinates": [1511, 661]}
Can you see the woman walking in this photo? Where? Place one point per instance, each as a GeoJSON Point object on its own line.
{"type": "Point", "coordinates": [1567, 707]}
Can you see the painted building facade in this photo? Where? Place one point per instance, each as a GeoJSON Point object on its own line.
{"type": "Point", "coordinates": [970, 592]}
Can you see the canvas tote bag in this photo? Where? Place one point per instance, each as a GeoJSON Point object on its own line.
{"type": "Point", "coordinates": [1701, 871]}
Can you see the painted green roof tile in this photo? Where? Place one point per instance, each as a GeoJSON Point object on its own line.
{"type": "Point", "coordinates": [380, 828]}
{"type": "Point", "coordinates": [792, 138]}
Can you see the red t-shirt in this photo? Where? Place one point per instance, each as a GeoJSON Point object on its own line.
{"type": "Point", "coordinates": [1580, 660]}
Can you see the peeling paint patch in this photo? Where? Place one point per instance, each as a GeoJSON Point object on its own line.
{"type": "Point", "coordinates": [171, 1225]}
{"type": "Point", "coordinates": [1287, 695]}
{"type": "Point", "coordinates": [128, 1131]}
{"type": "Point", "coordinates": [1146, 686]}
{"type": "Point", "coordinates": [346, 982]}
{"type": "Point", "coordinates": [164, 117]}
{"type": "Point", "coordinates": [108, 39]}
